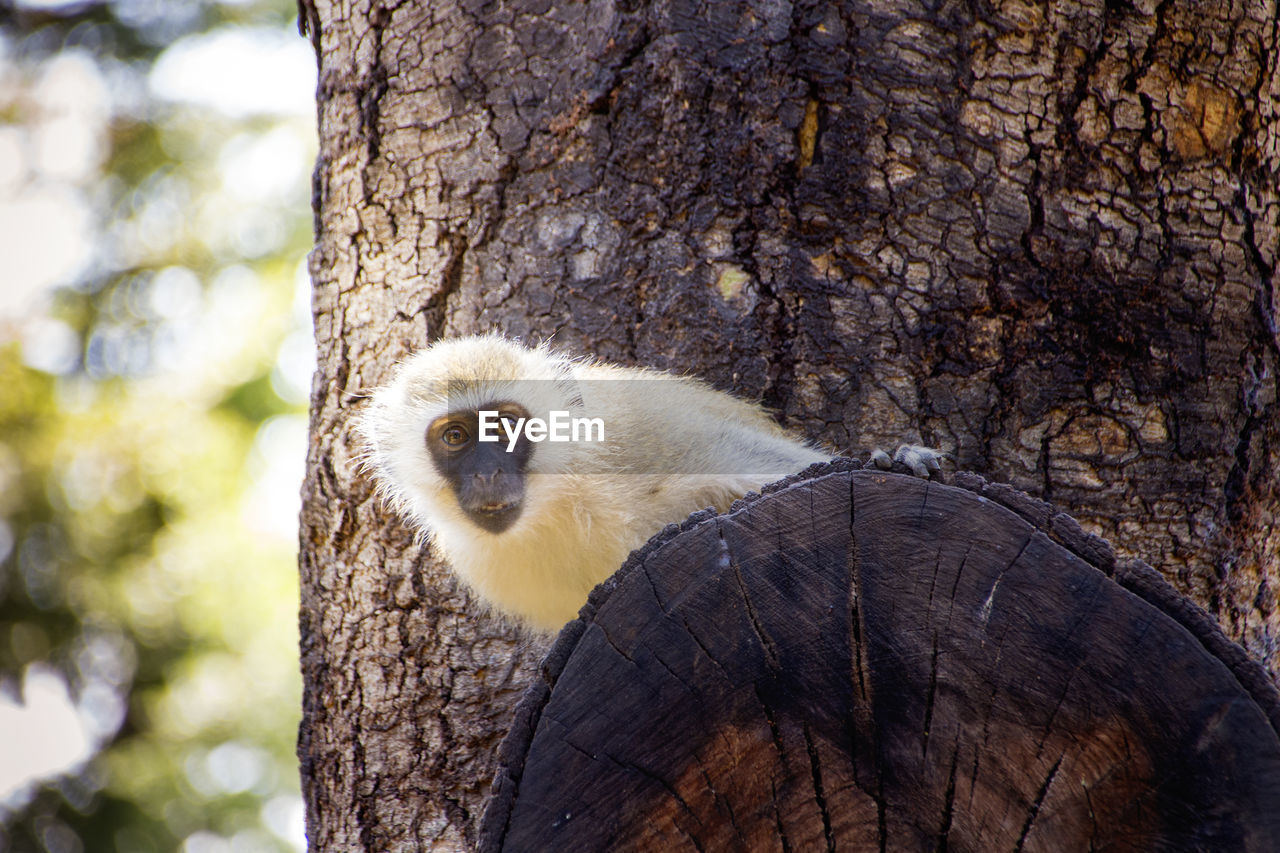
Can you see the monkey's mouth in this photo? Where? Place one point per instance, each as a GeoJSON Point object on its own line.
{"type": "Point", "coordinates": [495, 516]}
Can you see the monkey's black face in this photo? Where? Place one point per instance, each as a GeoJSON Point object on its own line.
{"type": "Point", "coordinates": [487, 477]}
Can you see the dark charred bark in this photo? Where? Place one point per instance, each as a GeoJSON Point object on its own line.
{"type": "Point", "coordinates": [862, 661]}
{"type": "Point", "coordinates": [1042, 236]}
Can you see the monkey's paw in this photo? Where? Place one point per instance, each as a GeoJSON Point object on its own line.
{"type": "Point", "coordinates": [923, 462]}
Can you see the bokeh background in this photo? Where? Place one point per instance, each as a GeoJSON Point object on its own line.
{"type": "Point", "coordinates": [155, 361]}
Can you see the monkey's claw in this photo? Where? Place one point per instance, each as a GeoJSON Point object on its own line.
{"type": "Point", "coordinates": [922, 462]}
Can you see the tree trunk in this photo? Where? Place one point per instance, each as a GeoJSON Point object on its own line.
{"type": "Point", "coordinates": [1041, 236]}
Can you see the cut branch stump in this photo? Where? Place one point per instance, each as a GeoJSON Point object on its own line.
{"type": "Point", "coordinates": [865, 661]}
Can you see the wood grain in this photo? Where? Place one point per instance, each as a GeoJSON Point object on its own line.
{"type": "Point", "coordinates": [866, 661]}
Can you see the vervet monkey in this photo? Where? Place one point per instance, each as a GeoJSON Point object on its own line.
{"type": "Point", "coordinates": [463, 443]}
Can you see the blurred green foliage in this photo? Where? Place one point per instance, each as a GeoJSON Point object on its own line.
{"type": "Point", "coordinates": [151, 450]}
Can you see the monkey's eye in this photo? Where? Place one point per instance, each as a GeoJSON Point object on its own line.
{"type": "Point", "coordinates": [508, 416]}
{"type": "Point", "coordinates": [454, 435]}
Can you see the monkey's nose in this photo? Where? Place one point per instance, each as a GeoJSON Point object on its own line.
{"type": "Point", "coordinates": [494, 500]}
{"type": "Point", "coordinates": [492, 479]}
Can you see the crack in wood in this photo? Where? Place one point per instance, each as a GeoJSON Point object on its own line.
{"type": "Point", "coordinates": [819, 796]}
{"type": "Point", "coordinates": [948, 801]}
{"type": "Point", "coordinates": [1035, 806]}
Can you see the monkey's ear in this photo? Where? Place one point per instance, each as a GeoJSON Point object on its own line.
{"type": "Point", "coordinates": [765, 664]}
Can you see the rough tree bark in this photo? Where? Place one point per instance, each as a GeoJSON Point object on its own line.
{"type": "Point", "coordinates": [1042, 236]}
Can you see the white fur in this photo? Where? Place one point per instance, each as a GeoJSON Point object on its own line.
{"type": "Point", "coordinates": [672, 446]}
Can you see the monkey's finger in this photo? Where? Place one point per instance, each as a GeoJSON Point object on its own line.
{"type": "Point", "coordinates": [879, 459]}
{"type": "Point", "coordinates": [923, 462]}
